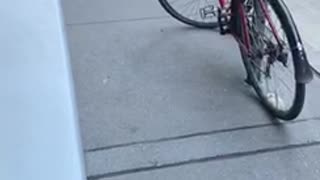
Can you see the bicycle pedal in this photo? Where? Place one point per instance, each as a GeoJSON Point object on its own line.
{"type": "Point", "coordinates": [223, 20]}
{"type": "Point", "coordinates": [208, 12]}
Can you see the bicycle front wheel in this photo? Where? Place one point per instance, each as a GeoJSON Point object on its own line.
{"type": "Point", "coordinates": [198, 13]}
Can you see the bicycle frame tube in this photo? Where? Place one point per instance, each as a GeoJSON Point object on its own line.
{"type": "Point", "coordinates": [267, 16]}
{"type": "Point", "coordinates": [237, 5]}
{"type": "Point", "coordinates": [244, 28]}
{"type": "Point", "coordinates": [223, 3]}
{"type": "Point", "coordinates": [246, 44]}
{"type": "Point", "coordinates": [304, 73]}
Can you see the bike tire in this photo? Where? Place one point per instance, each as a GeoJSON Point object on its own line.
{"type": "Point", "coordinates": [293, 37]}
{"type": "Point", "coordinates": [175, 14]}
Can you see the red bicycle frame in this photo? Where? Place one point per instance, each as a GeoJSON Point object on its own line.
{"type": "Point", "coordinates": [246, 44]}
{"type": "Point", "coordinates": [223, 3]}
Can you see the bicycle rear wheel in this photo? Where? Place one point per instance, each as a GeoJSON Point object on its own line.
{"type": "Point", "coordinates": [273, 74]}
{"type": "Point", "coordinates": [198, 13]}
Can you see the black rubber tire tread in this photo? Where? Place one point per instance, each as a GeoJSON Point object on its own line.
{"type": "Point", "coordinates": [293, 37]}
{"type": "Point", "coordinates": [181, 18]}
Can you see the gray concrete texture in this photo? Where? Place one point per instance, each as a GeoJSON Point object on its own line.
{"type": "Point", "coordinates": [161, 100]}
{"type": "Point", "coordinates": [307, 15]}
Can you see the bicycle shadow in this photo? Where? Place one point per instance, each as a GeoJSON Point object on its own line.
{"type": "Point", "coordinates": [184, 27]}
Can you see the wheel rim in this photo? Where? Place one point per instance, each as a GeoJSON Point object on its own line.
{"type": "Point", "coordinates": [274, 79]}
{"type": "Point", "coordinates": [193, 10]}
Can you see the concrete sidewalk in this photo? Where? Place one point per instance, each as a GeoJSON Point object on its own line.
{"type": "Point", "coordinates": [306, 14]}
{"type": "Point", "coordinates": [161, 100]}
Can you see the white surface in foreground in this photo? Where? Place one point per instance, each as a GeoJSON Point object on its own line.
{"type": "Point", "coordinates": [38, 132]}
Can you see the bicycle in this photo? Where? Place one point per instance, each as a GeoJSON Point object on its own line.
{"type": "Point", "coordinates": [268, 41]}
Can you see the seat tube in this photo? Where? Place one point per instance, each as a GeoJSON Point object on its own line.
{"type": "Point", "coordinates": [222, 3]}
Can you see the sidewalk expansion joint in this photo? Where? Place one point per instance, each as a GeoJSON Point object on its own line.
{"type": "Point", "coordinates": [198, 134]}
{"type": "Point", "coordinates": [206, 159]}
{"type": "Point", "coordinates": [117, 21]}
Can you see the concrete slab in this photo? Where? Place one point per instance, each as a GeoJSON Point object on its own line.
{"type": "Point", "coordinates": [154, 92]}
{"type": "Point", "coordinates": [82, 11]}
{"type": "Point", "coordinates": [293, 164]}
{"type": "Point", "coordinates": [154, 79]}
{"type": "Point", "coordinates": [306, 15]}
{"type": "Point", "coordinates": [175, 152]}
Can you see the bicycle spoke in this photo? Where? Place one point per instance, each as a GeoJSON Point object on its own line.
{"type": "Point", "coordinates": [190, 9]}
{"type": "Point", "coordinates": [186, 6]}
{"type": "Point", "coordinates": [278, 82]}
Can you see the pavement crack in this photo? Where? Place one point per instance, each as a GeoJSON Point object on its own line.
{"type": "Point", "coordinates": [117, 21]}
